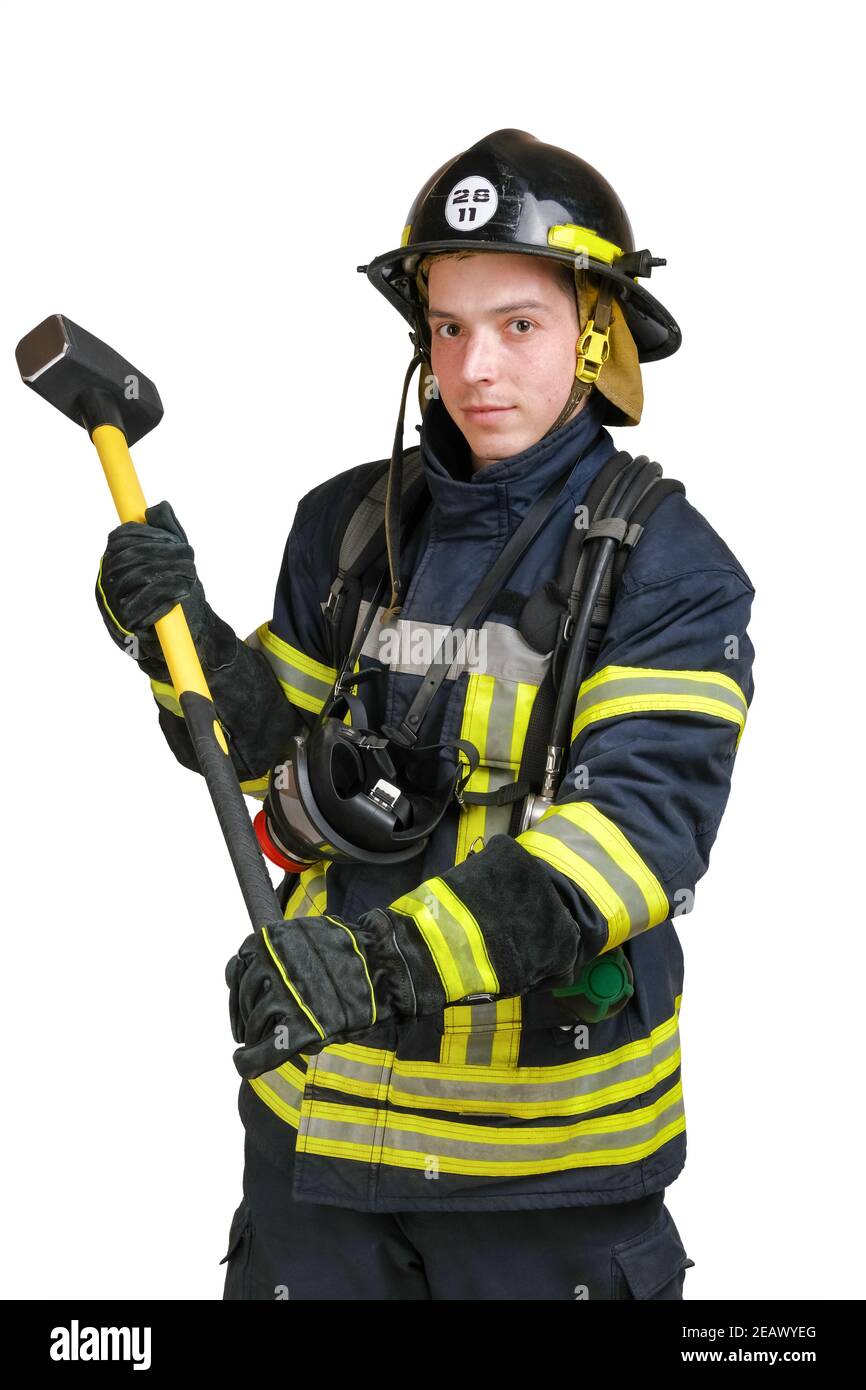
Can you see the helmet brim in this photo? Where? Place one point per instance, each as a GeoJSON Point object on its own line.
{"type": "Point", "coordinates": [656, 333]}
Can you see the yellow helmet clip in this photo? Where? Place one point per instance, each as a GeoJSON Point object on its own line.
{"type": "Point", "coordinates": [593, 350]}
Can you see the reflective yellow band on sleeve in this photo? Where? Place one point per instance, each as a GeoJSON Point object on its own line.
{"type": "Point", "coordinates": [256, 786]}
{"type": "Point", "coordinates": [305, 682]}
{"type": "Point", "coordinates": [621, 690]}
{"type": "Point", "coordinates": [165, 696]}
{"type": "Point", "coordinates": [282, 1091]}
{"type": "Point", "coordinates": [588, 848]}
{"type": "Point", "coordinates": [309, 897]}
{"type": "Point", "coordinates": [453, 938]}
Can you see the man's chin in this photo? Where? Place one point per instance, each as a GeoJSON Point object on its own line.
{"type": "Point", "coordinates": [491, 445]}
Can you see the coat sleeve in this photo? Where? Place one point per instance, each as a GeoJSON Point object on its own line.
{"type": "Point", "coordinates": [656, 728]}
{"type": "Point", "coordinates": [270, 685]}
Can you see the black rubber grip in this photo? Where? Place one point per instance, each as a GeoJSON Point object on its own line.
{"type": "Point", "coordinates": [259, 895]}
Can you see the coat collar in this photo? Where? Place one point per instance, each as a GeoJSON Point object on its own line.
{"type": "Point", "coordinates": [503, 492]}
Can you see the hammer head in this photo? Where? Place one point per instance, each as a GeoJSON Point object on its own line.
{"type": "Point", "coordinates": [86, 379]}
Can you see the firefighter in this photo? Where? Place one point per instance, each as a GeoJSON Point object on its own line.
{"type": "Point", "coordinates": [424, 1118]}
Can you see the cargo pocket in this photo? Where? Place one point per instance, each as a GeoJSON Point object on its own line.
{"type": "Point", "coordinates": [237, 1256]}
{"type": "Point", "coordinates": [652, 1265]}
{"type": "Point", "coordinates": [483, 1034]}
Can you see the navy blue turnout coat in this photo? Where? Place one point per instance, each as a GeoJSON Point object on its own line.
{"type": "Point", "coordinates": [492, 1104]}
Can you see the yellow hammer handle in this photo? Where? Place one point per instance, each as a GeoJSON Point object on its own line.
{"type": "Point", "coordinates": [206, 734]}
{"type": "Point", "coordinates": [173, 631]}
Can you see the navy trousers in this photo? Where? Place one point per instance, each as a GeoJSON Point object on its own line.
{"type": "Point", "coordinates": [282, 1249]}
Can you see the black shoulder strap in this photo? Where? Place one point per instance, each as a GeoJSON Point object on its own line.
{"type": "Point", "coordinates": [543, 618]}
{"type": "Point", "coordinates": [359, 541]}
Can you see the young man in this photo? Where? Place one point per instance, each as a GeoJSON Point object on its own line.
{"type": "Point", "coordinates": [425, 1118]}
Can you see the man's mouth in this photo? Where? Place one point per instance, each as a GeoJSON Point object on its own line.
{"type": "Point", "coordinates": [486, 412]}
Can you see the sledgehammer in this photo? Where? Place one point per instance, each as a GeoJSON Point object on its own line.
{"type": "Point", "coordinates": [99, 389]}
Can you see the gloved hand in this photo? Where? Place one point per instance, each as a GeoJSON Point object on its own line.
{"type": "Point", "coordinates": [147, 568]}
{"type": "Point", "coordinates": [298, 985]}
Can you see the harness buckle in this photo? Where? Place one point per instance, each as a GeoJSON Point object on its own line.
{"type": "Point", "coordinates": [335, 599]}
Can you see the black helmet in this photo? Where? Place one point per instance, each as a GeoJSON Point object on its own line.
{"type": "Point", "coordinates": [510, 192]}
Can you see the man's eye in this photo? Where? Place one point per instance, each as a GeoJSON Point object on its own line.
{"type": "Point", "coordinates": [441, 330]}
{"type": "Point", "coordinates": [526, 323]}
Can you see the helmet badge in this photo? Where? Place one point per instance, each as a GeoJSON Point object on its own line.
{"type": "Point", "coordinates": [471, 203]}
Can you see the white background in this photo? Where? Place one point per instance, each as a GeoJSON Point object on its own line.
{"type": "Point", "coordinates": [196, 184]}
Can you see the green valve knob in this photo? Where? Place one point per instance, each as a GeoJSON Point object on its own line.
{"type": "Point", "coordinates": [603, 987]}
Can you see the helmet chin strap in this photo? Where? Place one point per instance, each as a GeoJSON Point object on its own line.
{"type": "Point", "coordinates": [393, 499]}
{"type": "Point", "coordinates": [578, 390]}
{"type": "Point", "coordinates": [593, 349]}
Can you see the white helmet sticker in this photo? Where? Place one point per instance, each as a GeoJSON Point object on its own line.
{"type": "Point", "coordinates": [471, 203]}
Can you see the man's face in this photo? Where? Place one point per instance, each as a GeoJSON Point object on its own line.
{"type": "Point", "coordinates": [503, 335]}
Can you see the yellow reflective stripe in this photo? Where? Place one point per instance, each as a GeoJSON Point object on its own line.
{"type": "Point", "coordinates": [623, 853]}
{"type": "Point", "coordinates": [359, 953]}
{"type": "Point", "coordinates": [472, 821]}
{"type": "Point", "coordinates": [552, 850]}
{"type": "Point", "coordinates": [476, 713]}
{"type": "Point", "coordinates": [496, 715]}
{"type": "Point", "coordinates": [294, 656]}
{"type": "Point", "coordinates": [476, 710]}
{"type": "Point", "coordinates": [608, 673]}
{"type": "Point", "coordinates": [305, 681]}
{"type": "Point", "coordinates": [309, 896]}
{"type": "Point", "coordinates": [282, 1091]}
{"type": "Point", "coordinates": [505, 1043]}
{"type": "Point", "coordinates": [289, 986]}
{"type": "Point", "coordinates": [569, 1088]}
{"type": "Point", "coordinates": [581, 842]}
{"type": "Point", "coordinates": [619, 690]}
{"type": "Point", "coordinates": [256, 786]}
{"type": "Point", "coordinates": [412, 1141]}
{"type": "Point", "coordinates": [482, 1034]}
{"type": "Point", "coordinates": [453, 938]}
{"type": "Point", "coordinates": [166, 697]}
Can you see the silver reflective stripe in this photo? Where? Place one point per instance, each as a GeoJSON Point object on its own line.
{"type": "Point", "coordinates": [561, 830]}
{"type": "Point", "coordinates": [498, 747]}
{"type": "Point", "coordinates": [495, 649]}
{"type": "Point", "coordinates": [281, 1093]}
{"type": "Point", "coordinates": [567, 1095]}
{"type": "Point", "coordinates": [475, 1146]}
{"type": "Point", "coordinates": [577, 1087]}
{"type": "Point", "coordinates": [306, 682]}
{"type": "Point", "coordinates": [478, 1038]}
{"type": "Point", "coordinates": [639, 687]}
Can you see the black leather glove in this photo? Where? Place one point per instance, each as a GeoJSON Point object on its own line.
{"type": "Point", "coordinates": [147, 568]}
{"type": "Point", "coordinates": [298, 985]}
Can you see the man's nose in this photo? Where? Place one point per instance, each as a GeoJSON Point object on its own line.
{"type": "Point", "coordinates": [480, 355]}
